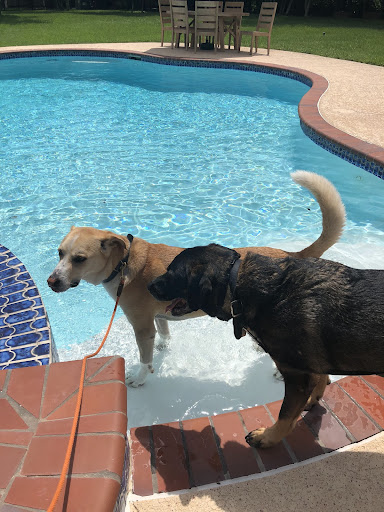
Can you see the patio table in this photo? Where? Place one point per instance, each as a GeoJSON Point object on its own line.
{"type": "Point", "coordinates": [222, 16]}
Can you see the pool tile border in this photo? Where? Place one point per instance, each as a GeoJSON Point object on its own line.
{"type": "Point", "coordinates": [25, 332]}
{"type": "Point", "coordinates": [365, 155]}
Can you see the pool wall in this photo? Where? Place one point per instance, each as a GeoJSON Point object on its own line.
{"type": "Point", "coordinates": [365, 155]}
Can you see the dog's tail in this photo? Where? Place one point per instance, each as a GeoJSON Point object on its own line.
{"type": "Point", "coordinates": [331, 207]}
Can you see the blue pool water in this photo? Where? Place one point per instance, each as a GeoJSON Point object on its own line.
{"type": "Point", "coordinates": [178, 155]}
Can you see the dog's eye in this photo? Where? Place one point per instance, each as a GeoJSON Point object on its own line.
{"type": "Point", "coordinates": [61, 254]}
{"type": "Point", "coordinates": [79, 259]}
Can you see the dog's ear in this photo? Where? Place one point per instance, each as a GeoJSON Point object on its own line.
{"type": "Point", "coordinates": [112, 242]}
{"type": "Point", "coordinates": [199, 291]}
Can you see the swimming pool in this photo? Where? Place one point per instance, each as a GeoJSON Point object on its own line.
{"type": "Point", "coordinates": [103, 141]}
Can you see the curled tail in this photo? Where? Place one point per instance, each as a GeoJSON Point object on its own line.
{"type": "Point", "coordinates": [331, 207]}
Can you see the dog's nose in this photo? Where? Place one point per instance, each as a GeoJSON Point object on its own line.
{"type": "Point", "coordinates": [53, 282]}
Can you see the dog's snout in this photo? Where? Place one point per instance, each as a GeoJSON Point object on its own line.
{"type": "Point", "coordinates": [54, 283]}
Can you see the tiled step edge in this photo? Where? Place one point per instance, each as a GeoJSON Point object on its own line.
{"type": "Point", "coordinates": [185, 454]}
{"type": "Point", "coordinates": [38, 405]}
{"type": "Point", "coordinates": [25, 333]}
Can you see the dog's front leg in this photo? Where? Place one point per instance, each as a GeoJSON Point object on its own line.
{"type": "Point", "coordinates": [163, 332]}
{"type": "Point", "coordinates": [145, 339]}
{"type": "Point", "coordinates": [298, 389]}
{"type": "Point", "coordinates": [318, 391]}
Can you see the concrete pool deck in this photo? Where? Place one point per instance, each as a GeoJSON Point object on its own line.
{"type": "Point", "coordinates": [350, 478]}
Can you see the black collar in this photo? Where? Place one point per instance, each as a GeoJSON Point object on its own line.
{"type": "Point", "coordinates": [239, 329]}
{"type": "Point", "coordinates": [233, 275]}
{"type": "Point", "coordinates": [236, 305]}
{"type": "Point", "coordinates": [121, 263]}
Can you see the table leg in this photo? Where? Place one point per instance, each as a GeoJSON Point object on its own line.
{"type": "Point", "coordinates": [221, 34]}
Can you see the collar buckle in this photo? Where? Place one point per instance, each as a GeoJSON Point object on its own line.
{"type": "Point", "coordinates": [236, 308]}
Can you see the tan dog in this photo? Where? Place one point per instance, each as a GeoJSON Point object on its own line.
{"type": "Point", "coordinates": [96, 256]}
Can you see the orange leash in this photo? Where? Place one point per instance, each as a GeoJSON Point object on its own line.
{"type": "Point", "coordinates": [68, 454]}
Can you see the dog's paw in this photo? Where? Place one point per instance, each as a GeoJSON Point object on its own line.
{"type": "Point", "coordinates": [137, 380]}
{"type": "Point", "coordinates": [132, 382]}
{"type": "Point", "coordinates": [162, 342]}
{"type": "Point", "coordinates": [260, 438]}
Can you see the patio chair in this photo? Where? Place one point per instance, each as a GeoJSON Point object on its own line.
{"type": "Point", "coordinates": [206, 21]}
{"type": "Point", "coordinates": [264, 26]}
{"type": "Point", "coordinates": [165, 17]}
{"type": "Point", "coordinates": [180, 22]}
{"type": "Point", "coordinates": [232, 26]}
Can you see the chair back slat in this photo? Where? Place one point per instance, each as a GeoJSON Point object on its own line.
{"type": "Point", "coordinates": [206, 13]}
{"type": "Point", "coordinates": [165, 11]}
{"type": "Point", "coordinates": [266, 16]}
{"type": "Point", "coordinates": [179, 13]}
{"type": "Point", "coordinates": [235, 7]}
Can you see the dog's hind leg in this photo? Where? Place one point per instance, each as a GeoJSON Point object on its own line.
{"type": "Point", "coordinates": [318, 392]}
{"type": "Point", "coordinates": [163, 332]}
{"type": "Point", "coordinates": [298, 389]}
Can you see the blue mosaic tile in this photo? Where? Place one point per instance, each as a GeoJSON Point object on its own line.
{"type": "Point", "coordinates": [23, 328]}
{"type": "Point", "coordinates": [12, 285]}
{"type": "Point", "coordinates": [21, 316]}
{"type": "Point", "coordinates": [18, 307]}
{"type": "Point", "coordinates": [24, 364]}
{"type": "Point", "coordinates": [343, 152]}
{"type": "Point", "coordinates": [25, 333]}
{"type": "Point", "coordinates": [40, 323]}
{"type": "Point", "coordinates": [32, 292]}
{"type": "Point", "coordinates": [24, 339]}
{"type": "Point", "coordinates": [7, 331]}
{"type": "Point", "coordinates": [6, 356]}
{"type": "Point", "coordinates": [41, 350]}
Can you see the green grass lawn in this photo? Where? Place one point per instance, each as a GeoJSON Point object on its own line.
{"type": "Point", "coordinates": [341, 38]}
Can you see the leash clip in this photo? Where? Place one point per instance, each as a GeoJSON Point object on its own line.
{"type": "Point", "coordinates": [122, 279]}
{"type": "Point", "coordinates": [123, 265]}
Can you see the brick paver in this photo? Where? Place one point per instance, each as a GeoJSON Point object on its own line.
{"type": "Point", "coordinates": [33, 446]}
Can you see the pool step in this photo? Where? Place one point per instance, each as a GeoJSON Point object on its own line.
{"type": "Point", "coordinates": [36, 411]}
{"type": "Point", "coordinates": [185, 454]}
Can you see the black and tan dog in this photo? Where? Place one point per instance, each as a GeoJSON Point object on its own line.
{"type": "Point", "coordinates": [314, 317]}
